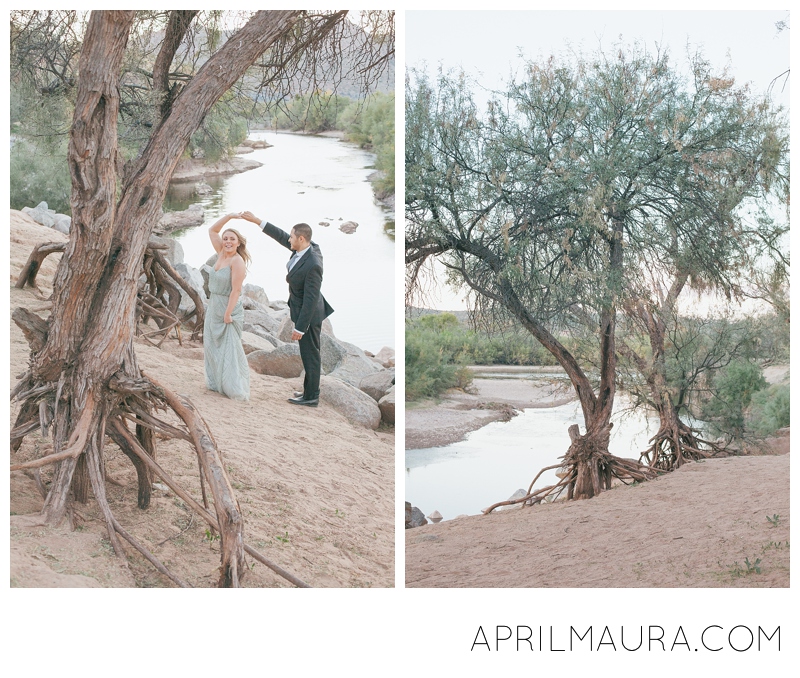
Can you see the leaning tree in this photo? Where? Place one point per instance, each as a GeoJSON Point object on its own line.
{"type": "Point", "coordinates": [84, 381]}
{"type": "Point", "coordinates": [547, 205]}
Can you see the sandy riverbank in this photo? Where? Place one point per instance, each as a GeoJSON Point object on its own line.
{"type": "Point", "coordinates": [324, 511]}
{"type": "Point", "coordinates": [705, 525]}
{"type": "Point", "coordinates": [450, 418]}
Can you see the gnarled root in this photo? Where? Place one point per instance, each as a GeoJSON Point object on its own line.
{"type": "Point", "coordinates": [588, 469]}
{"type": "Point", "coordinates": [674, 444]}
{"type": "Point", "coordinates": [159, 295]}
{"type": "Point", "coordinates": [107, 412]}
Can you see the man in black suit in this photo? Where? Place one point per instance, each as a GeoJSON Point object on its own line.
{"type": "Point", "coordinates": [307, 306]}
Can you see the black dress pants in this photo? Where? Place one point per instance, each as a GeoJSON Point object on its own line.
{"type": "Point", "coordinates": [312, 361]}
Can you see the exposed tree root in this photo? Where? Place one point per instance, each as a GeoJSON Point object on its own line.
{"type": "Point", "coordinates": [588, 470]}
{"type": "Point", "coordinates": [674, 444]}
{"type": "Point", "coordinates": [80, 420]}
{"type": "Point", "coordinates": [158, 298]}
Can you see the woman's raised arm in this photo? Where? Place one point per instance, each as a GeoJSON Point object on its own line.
{"type": "Point", "coordinates": [214, 231]}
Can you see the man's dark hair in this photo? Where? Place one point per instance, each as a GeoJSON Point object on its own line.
{"type": "Point", "coordinates": [303, 230]}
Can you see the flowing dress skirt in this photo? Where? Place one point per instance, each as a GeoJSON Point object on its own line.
{"type": "Point", "coordinates": [227, 370]}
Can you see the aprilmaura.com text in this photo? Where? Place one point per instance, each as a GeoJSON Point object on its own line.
{"type": "Point", "coordinates": [712, 638]}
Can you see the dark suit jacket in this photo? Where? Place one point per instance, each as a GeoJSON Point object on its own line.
{"type": "Point", "coordinates": [307, 306]}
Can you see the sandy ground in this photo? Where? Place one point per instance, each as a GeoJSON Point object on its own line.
{"type": "Point", "coordinates": [317, 493]}
{"type": "Point", "coordinates": [449, 419]}
{"type": "Point", "coordinates": [697, 527]}
{"type": "Point", "coordinates": [708, 524]}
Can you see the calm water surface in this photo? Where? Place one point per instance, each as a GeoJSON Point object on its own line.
{"type": "Point", "coordinates": [309, 179]}
{"type": "Point", "coordinates": [502, 457]}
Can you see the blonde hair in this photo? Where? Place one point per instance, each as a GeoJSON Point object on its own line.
{"type": "Point", "coordinates": [241, 250]}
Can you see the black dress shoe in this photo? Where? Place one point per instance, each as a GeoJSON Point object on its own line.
{"type": "Point", "coordinates": [298, 394]}
{"type": "Point", "coordinates": [310, 402]}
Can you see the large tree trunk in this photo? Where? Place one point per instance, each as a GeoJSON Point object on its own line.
{"type": "Point", "coordinates": [588, 467]}
{"type": "Point", "coordinates": [84, 377]}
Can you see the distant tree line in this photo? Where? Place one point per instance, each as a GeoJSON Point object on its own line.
{"type": "Point", "coordinates": [45, 45]}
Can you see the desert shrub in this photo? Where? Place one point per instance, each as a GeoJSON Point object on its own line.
{"type": "Point", "coordinates": [428, 370]}
{"type": "Point", "coordinates": [222, 130]}
{"type": "Point", "coordinates": [39, 173]}
{"type": "Point", "coordinates": [769, 410]}
{"type": "Point", "coordinates": [731, 392]}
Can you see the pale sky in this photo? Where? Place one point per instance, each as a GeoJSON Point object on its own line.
{"type": "Point", "coordinates": [490, 45]}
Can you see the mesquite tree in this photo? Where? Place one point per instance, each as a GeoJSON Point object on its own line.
{"type": "Point", "coordinates": [84, 379]}
{"type": "Point", "coordinates": [546, 205]}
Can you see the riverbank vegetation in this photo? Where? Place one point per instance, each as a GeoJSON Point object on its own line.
{"type": "Point", "coordinates": [439, 347]}
{"type": "Point", "coordinates": [367, 122]}
{"type": "Point", "coordinates": [714, 367]}
{"type": "Point", "coordinates": [45, 46]}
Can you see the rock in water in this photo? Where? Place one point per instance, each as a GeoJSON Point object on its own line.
{"type": "Point", "coordinates": [414, 517]}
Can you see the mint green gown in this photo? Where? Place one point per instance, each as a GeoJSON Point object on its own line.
{"type": "Point", "coordinates": [227, 370]}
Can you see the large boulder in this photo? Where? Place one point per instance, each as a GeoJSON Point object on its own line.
{"type": "Point", "coordinates": [41, 214]}
{"type": "Point", "coordinates": [356, 405]}
{"type": "Point", "coordinates": [354, 365]}
{"type": "Point", "coordinates": [205, 271]}
{"type": "Point", "coordinates": [279, 305]}
{"type": "Point", "coordinates": [267, 321]}
{"type": "Point", "coordinates": [257, 294]}
{"type": "Point", "coordinates": [378, 384]}
{"type": "Point", "coordinates": [414, 517]}
{"type": "Point", "coordinates": [259, 331]}
{"type": "Point", "coordinates": [285, 329]}
{"type": "Point", "coordinates": [283, 361]}
{"type": "Point", "coordinates": [386, 406]}
{"type": "Point", "coordinates": [385, 356]}
{"type": "Point", "coordinates": [332, 353]}
{"type": "Point", "coordinates": [173, 251]}
{"type": "Point", "coordinates": [253, 342]}
{"type": "Point", "coordinates": [62, 223]}
{"type": "Point", "coordinates": [176, 221]}
{"type": "Point", "coordinates": [195, 280]}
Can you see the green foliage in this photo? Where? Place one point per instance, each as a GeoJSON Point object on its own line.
{"type": "Point", "coordinates": [429, 367]}
{"type": "Point", "coordinates": [732, 390]}
{"type": "Point", "coordinates": [222, 130]}
{"type": "Point", "coordinates": [439, 347]}
{"type": "Point", "coordinates": [368, 123]}
{"type": "Point", "coordinates": [749, 568]}
{"type": "Point", "coordinates": [373, 127]}
{"type": "Point", "coordinates": [769, 410]}
{"type": "Point", "coordinates": [312, 113]}
{"type": "Point", "coordinates": [38, 174]}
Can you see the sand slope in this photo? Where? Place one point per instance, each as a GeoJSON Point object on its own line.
{"type": "Point", "coordinates": [316, 492]}
{"type": "Point", "coordinates": [696, 527]}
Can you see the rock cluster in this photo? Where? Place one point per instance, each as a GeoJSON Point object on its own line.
{"type": "Point", "coordinates": [169, 221]}
{"type": "Point", "coordinates": [356, 384]}
{"type": "Point", "coordinates": [41, 214]}
{"type": "Point", "coordinates": [414, 517]}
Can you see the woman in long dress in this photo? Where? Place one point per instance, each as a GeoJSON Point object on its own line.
{"type": "Point", "coordinates": [227, 370]}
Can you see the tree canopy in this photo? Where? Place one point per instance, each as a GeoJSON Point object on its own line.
{"type": "Point", "coordinates": [585, 187]}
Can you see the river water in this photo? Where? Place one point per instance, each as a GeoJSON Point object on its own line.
{"type": "Point", "coordinates": [502, 457]}
{"type": "Point", "coordinates": [309, 179]}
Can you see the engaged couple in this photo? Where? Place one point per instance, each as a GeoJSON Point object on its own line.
{"type": "Point", "coordinates": [227, 370]}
